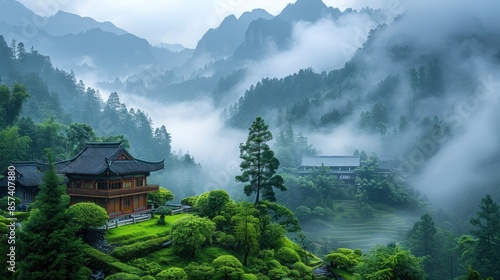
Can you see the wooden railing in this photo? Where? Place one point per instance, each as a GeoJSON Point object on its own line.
{"type": "Point", "coordinates": [111, 193]}
{"type": "Point", "coordinates": [132, 220]}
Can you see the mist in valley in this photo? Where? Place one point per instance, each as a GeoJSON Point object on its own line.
{"type": "Point", "coordinates": [418, 82]}
{"type": "Point", "coordinates": [446, 169]}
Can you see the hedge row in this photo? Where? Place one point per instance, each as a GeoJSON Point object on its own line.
{"type": "Point", "coordinates": [138, 249]}
{"type": "Point", "coordinates": [110, 265]}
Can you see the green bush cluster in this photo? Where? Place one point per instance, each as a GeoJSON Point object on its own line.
{"type": "Point", "coordinates": [122, 276]}
{"type": "Point", "coordinates": [110, 265]}
{"type": "Point", "coordinates": [21, 216]}
{"type": "Point", "coordinates": [172, 273]}
{"type": "Point", "coordinates": [139, 249]}
{"type": "Point", "coordinates": [287, 256]}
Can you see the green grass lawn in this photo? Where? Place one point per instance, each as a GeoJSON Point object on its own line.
{"type": "Point", "coordinates": [142, 231]}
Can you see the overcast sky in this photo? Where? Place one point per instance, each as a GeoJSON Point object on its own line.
{"type": "Point", "coordinates": [173, 21]}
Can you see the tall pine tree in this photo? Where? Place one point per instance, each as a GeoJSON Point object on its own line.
{"type": "Point", "coordinates": [422, 239]}
{"type": "Point", "coordinates": [48, 247]}
{"type": "Point", "coordinates": [259, 164]}
{"type": "Point", "coordinates": [487, 232]}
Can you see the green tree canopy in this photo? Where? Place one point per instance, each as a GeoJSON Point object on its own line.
{"type": "Point", "coordinates": [228, 266]}
{"type": "Point", "coordinates": [487, 232]}
{"type": "Point", "coordinates": [88, 215]}
{"type": "Point", "coordinates": [11, 103]}
{"type": "Point", "coordinates": [122, 276]}
{"type": "Point", "coordinates": [210, 204]}
{"type": "Point", "coordinates": [13, 146]}
{"type": "Point", "coordinates": [390, 262]}
{"type": "Point", "coordinates": [246, 231]}
{"type": "Point", "coordinates": [259, 164]}
{"type": "Point", "coordinates": [197, 271]}
{"type": "Point", "coordinates": [172, 273]}
{"type": "Point", "coordinates": [162, 211]}
{"type": "Point", "coordinates": [190, 233]}
{"type": "Point", "coordinates": [344, 258]}
{"type": "Point", "coordinates": [160, 197]}
{"type": "Point", "coordinates": [77, 134]}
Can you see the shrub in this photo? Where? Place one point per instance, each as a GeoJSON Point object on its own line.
{"type": "Point", "coordinates": [173, 273]}
{"type": "Point", "coordinates": [119, 266]}
{"type": "Point", "coordinates": [148, 277]}
{"type": "Point", "coordinates": [277, 273]}
{"type": "Point", "coordinates": [196, 271]}
{"type": "Point", "coordinates": [152, 268]}
{"type": "Point", "coordinates": [304, 271]}
{"type": "Point", "coordinates": [99, 260]}
{"type": "Point", "coordinates": [262, 276]}
{"type": "Point", "coordinates": [303, 212]}
{"type": "Point", "coordinates": [122, 276]}
{"type": "Point", "coordinates": [84, 273]}
{"type": "Point", "coordinates": [287, 256]}
{"type": "Point", "coordinates": [228, 266]}
{"type": "Point", "coordinates": [367, 211]}
{"type": "Point", "coordinates": [210, 204]}
{"type": "Point", "coordinates": [138, 249]}
{"type": "Point", "coordinates": [266, 254]}
{"type": "Point", "coordinates": [225, 241]}
{"type": "Point", "coordinates": [344, 258]}
{"type": "Point", "coordinates": [248, 277]}
{"type": "Point", "coordinates": [4, 202]}
{"type": "Point", "coordinates": [273, 264]}
{"type": "Point", "coordinates": [21, 216]}
{"type": "Point", "coordinates": [190, 200]}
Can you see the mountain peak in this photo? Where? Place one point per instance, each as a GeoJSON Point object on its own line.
{"type": "Point", "coordinates": [63, 23]}
{"type": "Point", "coordinates": [304, 10]}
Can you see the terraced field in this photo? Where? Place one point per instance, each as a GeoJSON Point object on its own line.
{"type": "Point", "coordinates": [346, 229]}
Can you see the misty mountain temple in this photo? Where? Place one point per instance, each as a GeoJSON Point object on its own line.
{"type": "Point", "coordinates": [103, 173]}
{"type": "Point", "coordinates": [341, 166]}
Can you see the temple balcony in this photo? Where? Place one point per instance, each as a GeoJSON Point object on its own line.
{"type": "Point", "coordinates": [111, 193]}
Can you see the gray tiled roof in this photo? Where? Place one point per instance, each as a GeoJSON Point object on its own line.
{"type": "Point", "coordinates": [330, 161]}
{"type": "Point", "coordinates": [28, 172]}
{"type": "Point", "coordinates": [97, 158]}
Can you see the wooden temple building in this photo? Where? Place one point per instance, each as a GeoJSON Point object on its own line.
{"type": "Point", "coordinates": [342, 166]}
{"type": "Point", "coordinates": [105, 174]}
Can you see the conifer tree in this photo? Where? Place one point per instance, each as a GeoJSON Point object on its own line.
{"type": "Point", "coordinates": [259, 164]}
{"type": "Point", "coordinates": [422, 239]}
{"type": "Point", "coordinates": [48, 247]}
{"type": "Point", "coordinates": [487, 232]}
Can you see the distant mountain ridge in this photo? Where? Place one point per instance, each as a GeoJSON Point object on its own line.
{"type": "Point", "coordinates": [223, 40]}
{"type": "Point", "coordinates": [14, 13]}
{"type": "Point", "coordinates": [82, 43]}
{"type": "Point", "coordinates": [63, 23]}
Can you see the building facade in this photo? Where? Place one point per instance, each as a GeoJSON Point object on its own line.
{"type": "Point", "coordinates": [341, 166]}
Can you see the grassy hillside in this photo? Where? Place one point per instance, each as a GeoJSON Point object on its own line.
{"type": "Point", "coordinates": [349, 229]}
{"type": "Point", "coordinates": [140, 252]}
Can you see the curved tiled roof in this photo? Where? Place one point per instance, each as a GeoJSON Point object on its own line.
{"type": "Point", "coordinates": [29, 173]}
{"type": "Point", "coordinates": [97, 158]}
